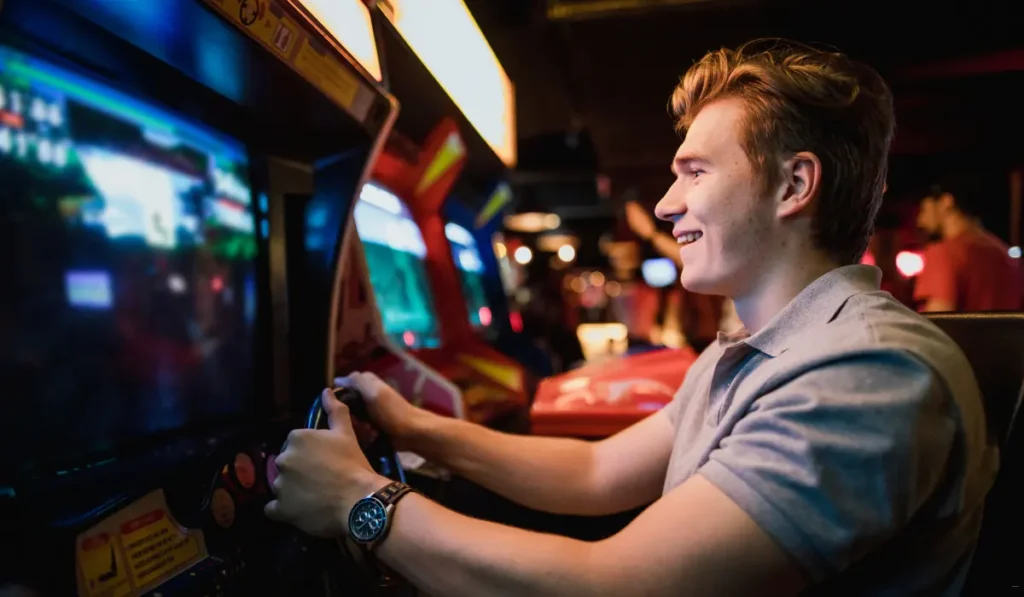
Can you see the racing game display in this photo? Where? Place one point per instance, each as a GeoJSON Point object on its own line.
{"type": "Point", "coordinates": [471, 271]}
{"type": "Point", "coordinates": [395, 254]}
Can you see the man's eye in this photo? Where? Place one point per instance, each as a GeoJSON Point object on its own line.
{"type": "Point", "coordinates": [696, 172]}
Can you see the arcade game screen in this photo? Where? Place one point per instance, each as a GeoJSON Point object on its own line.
{"type": "Point", "coordinates": [128, 298]}
{"type": "Point", "coordinates": [512, 275]}
{"type": "Point", "coordinates": [471, 269]}
{"type": "Point", "coordinates": [395, 254]}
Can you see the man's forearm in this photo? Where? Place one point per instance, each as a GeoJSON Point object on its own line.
{"type": "Point", "coordinates": [550, 474]}
{"type": "Point", "coordinates": [444, 553]}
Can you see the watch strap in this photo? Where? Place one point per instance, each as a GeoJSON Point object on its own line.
{"type": "Point", "coordinates": [392, 492]}
{"type": "Point", "coordinates": [388, 496]}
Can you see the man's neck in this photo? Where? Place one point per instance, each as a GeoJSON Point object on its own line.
{"type": "Point", "coordinates": [773, 292]}
{"type": "Point", "coordinates": [958, 225]}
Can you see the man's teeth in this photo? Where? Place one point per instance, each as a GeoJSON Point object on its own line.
{"type": "Point", "coordinates": [689, 238]}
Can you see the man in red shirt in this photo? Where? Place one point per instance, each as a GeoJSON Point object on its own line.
{"type": "Point", "coordinates": [969, 268]}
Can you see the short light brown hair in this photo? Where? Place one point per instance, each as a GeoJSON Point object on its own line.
{"type": "Point", "coordinates": [799, 98]}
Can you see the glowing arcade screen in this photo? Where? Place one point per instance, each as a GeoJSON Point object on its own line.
{"type": "Point", "coordinates": [395, 254]}
{"type": "Point", "coordinates": [471, 271]}
{"type": "Point", "coordinates": [129, 295]}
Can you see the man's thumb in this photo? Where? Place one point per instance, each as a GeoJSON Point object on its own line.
{"type": "Point", "coordinates": [336, 411]}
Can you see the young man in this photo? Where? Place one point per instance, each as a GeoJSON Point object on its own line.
{"type": "Point", "coordinates": [835, 447]}
{"type": "Point", "coordinates": [969, 268]}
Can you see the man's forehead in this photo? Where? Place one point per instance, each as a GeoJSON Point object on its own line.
{"type": "Point", "coordinates": [715, 128]}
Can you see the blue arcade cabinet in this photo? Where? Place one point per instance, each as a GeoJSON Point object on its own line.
{"type": "Point", "coordinates": [483, 285]}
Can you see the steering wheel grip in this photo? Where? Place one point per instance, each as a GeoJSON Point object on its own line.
{"type": "Point", "coordinates": [317, 418]}
{"type": "Point", "coordinates": [379, 452]}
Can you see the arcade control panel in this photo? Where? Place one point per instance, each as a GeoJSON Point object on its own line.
{"type": "Point", "coordinates": [200, 531]}
{"type": "Point", "coordinates": [201, 534]}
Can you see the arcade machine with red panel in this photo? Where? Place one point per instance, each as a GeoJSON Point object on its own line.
{"type": "Point", "coordinates": [407, 253]}
{"type": "Point", "coordinates": [385, 305]}
{"type": "Point", "coordinates": [416, 283]}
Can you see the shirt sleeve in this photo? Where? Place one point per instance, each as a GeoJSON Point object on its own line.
{"type": "Point", "coordinates": [834, 463]}
{"type": "Point", "coordinates": [702, 367]}
{"type": "Point", "coordinates": [938, 278]}
{"type": "Point", "coordinates": [674, 410]}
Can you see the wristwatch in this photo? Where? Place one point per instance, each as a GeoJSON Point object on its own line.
{"type": "Point", "coordinates": [369, 520]}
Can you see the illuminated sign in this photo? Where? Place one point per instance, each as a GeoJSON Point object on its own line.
{"type": "Point", "coordinates": [348, 21]}
{"type": "Point", "coordinates": [446, 38]}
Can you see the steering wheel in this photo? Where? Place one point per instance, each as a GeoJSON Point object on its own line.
{"type": "Point", "coordinates": [353, 571]}
{"type": "Point", "coordinates": [376, 444]}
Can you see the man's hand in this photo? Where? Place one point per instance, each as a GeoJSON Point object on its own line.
{"type": "Point", "coordinates": [389, 410]}
{"type": "Point", "coordinates": [321, 474]}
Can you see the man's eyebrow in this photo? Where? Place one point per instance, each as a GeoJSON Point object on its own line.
{"type": "Point", "coordinates": [685, 159]}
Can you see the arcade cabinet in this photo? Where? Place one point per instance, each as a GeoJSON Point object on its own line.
{"type": "Point", "coordinates": [176, 175]}
{"type": "Point", "coordinates": [479, 253]}
{"type": "Point", "coordinates": [405, 238]}
{"type": "Point", "coordinates": [418, 290]}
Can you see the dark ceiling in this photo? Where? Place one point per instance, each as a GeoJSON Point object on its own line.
{"type": "Point", "coordinates": [593, 77]}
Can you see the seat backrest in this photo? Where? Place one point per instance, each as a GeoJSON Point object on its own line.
{"type": "Point", "coordinates": [994, 345]}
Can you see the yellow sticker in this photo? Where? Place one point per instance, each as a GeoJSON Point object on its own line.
{"type": "Point", "coordinates": [267, 22]}
{"type": "Point", "coordinates": [156, 547]}
{"type": "Point", "coordinates": [101, 565]}
{"type": "Point", "coordinates": [326, 73]}
{"type": "Point", "coordinates": [135, 549]}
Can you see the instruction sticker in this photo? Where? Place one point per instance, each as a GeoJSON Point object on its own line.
{"type": "Point", "coordinates": [135, 549]}
{"type": "Point", "coordinates": [156, 547]}
{"type": "Point", "coordinates": [101, 563]}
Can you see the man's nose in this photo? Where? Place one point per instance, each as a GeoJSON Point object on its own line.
{"type": "Point", "coordinates": [671, 206]}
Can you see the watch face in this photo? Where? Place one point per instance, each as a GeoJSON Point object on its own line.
{"type": "Point", "coordinates": [366, 521]}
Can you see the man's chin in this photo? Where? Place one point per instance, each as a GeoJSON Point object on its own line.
{"type": "Point", "coordinates": [694, 283]}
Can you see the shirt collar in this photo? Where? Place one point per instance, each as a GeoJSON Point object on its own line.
{"type": "Point", "coordinates": [818, 303]}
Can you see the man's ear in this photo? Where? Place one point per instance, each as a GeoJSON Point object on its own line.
{"type": "Point", "coordinates": [801, 178]}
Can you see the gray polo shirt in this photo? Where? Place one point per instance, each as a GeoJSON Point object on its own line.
{"type": "Point", "coordinates": [851, 430]}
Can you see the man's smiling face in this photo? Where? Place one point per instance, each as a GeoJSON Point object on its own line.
{"type": "Point", "coordinates": [724, 223]}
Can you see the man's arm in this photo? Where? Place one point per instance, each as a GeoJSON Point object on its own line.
{"type": "Point", "coordinates": [694, 539]}
{"type": "Point", "coordinates": [824, 471]}
{"type": "Point", "coordinates": [936, 285]}
{"type": "Point", "coordinates": [821, 474]}
{"type": "Point", "coordinates": [558, 475]}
